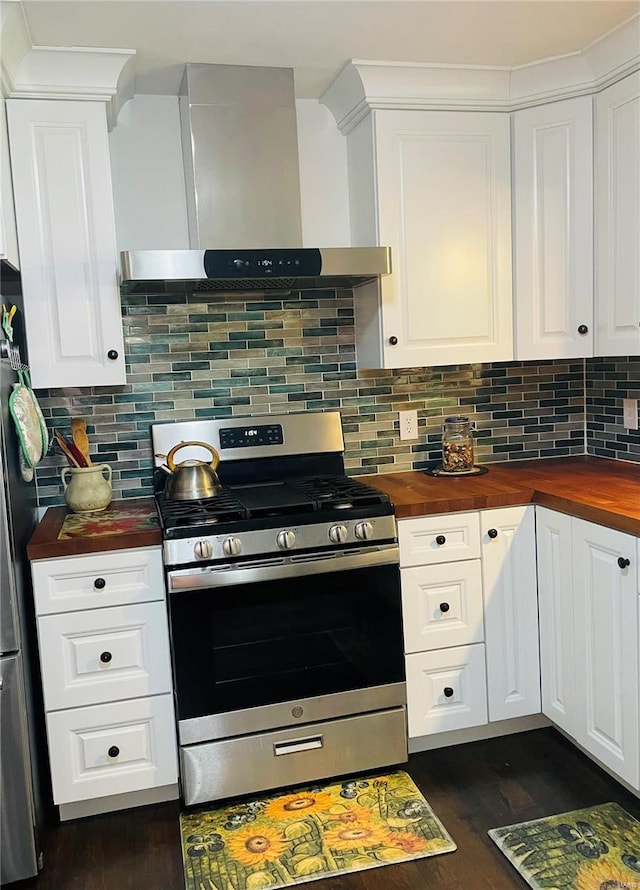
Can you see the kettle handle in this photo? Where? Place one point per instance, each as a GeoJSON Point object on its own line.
{"type": "Point", "coordinates": [214, 454]}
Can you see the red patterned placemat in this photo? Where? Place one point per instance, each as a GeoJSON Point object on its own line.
{"type": "Point", "coordinates": [120, 521]}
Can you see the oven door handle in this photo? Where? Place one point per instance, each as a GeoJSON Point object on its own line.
{"type": "Point", "coordinates": [289, 567]}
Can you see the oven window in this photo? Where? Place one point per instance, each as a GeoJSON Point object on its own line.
{"type": "Point", "coordinates": [281, 640]}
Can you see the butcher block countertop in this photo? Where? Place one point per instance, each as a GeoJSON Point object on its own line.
{"type": "Point", "coordinates": [592, 488]}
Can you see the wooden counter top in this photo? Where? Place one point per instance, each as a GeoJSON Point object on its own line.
{"type": "Point", "coordinates": [592, 488]}
{"type": "Point", "coordinates": [122, 529]}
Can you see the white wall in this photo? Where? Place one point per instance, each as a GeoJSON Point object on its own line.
{"type": "Point", "coordinates": [148, 178]}
{"type": "Point", "coordinates": [324, 186]}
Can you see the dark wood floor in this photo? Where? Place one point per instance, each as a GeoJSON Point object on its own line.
{"type": "Point", "coordinates": [472, 788]}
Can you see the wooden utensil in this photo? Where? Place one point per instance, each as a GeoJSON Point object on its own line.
{"type": "Point", "coordinates": [80, 439]}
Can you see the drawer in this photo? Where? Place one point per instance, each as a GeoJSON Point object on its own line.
{"type": "Point", "coordinates": [446, 689]}
{"type": "Point", "coordinates": [247, 764]}
{"type": "Point", "coordinates": [115, 578]}
{"type": "Point", "coordinates": [442, 605]}
{"type": "Point", "coordinates": [112, 749]}
{"type": "Point", "coordinates": [446, 538]}
{"type": "Point", "coordinates": [104, 655]}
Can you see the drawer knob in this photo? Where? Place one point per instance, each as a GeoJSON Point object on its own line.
{"type": "Point", "coordinates": [583, 329]}
{"type": "Point", "coordinates": [393, 341]}
{"type": "Point", "coordinates": [113, 751]}
{"type": "Point", "coordinates": [99, 583]}
{"type": "Point", "coordinates": [493, 532]}
{"type": "Point", "coordinates": [112, 354]}
{"type": "Point", "coordinates": [105, 657]}
{"type": "Point", "coordinates": [448, 691]}
{"type": "Point", "coordinates": [623, 563]}
{"type": "Point", "coordinates": [440, 539]}
{"type": "Point", "coordinates": [444, 607]}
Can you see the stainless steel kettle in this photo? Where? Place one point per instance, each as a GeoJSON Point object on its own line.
{"type": "Point", "coordinates": [192, 479]}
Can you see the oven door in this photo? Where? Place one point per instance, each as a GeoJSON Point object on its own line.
{"type": "Point", "coordinates": [258, 645]}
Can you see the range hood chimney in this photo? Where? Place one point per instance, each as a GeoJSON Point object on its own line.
{"type": "Point", "coordinates": [240, 150]}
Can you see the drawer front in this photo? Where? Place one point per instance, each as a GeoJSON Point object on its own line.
{"type": "Point", "coordinates": [215, 770]}
{"type": "Point", "coordinates": [446, 538]}
{"type": "Point", "coordinates": [442, 605]}
{"type": "Point", "coordinates": [97, 580]}
{"type": "Point", "coordinates": [104, 655]}
{"type": "Point", "coordinates": [112, 749]}
{"type": "Point", "coordinates": [446, 689]}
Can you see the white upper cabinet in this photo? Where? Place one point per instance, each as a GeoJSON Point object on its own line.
{"type": "Point", "coordinates": [617, 271]}
{"type": "Point", "coordinates": [66, 233]}
{"type": "Point", "coordinates": [8, 238]}
{"type": "Point", "coordinates": [553, 230]}
{"type": "Point", "coordinates": [435, 187]}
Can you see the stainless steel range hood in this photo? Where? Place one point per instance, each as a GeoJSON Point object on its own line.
{"type": "Point", "coordinates": [240, 150]}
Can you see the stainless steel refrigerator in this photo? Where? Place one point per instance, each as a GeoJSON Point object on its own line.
{"type": "Point", "coordinates": [20, 854]}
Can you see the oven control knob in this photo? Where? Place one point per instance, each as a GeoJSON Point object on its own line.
{"type": "Point", "coordinates": [203, 549]}
{"type": "Point", "coordinates": [286, 540]}
{"type": "Point", "coordinates": [363, 531]}
{"type": "Point", "coordinates": [231, 546]}
{"type": "Point", "coordinates": [338, 534]}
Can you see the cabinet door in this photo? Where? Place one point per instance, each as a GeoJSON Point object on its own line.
{"type": "Point", "coordinates": [510, 612]}
{"type": "Point", "coordinates": [442, 605]}
{"type": "Point", "coordinates": [555, 597]}
{"type": "Point", "coordinates": [104, 655]}
{"type": "Point", "coordinates": [553, 226]}
{"type": "Point", "coordinates": [444, 208]}
{"type": "Point", "coordinates": [446, 689]}
{"type": "Point", "coordinates": [8, 238]}
{"type": "Point", "coordinates": [618, 218]}
{"type": "Point", "coordinates": [112, 748]}
{"type": "Point", "coordinates": [66, 233]}
{"type": "Point", "coordinates": [606, 646]}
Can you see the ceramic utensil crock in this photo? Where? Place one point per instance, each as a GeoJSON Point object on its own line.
{"type": "Point", "coordinates": [89, 490]}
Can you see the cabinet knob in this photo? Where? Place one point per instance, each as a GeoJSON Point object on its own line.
{"type": "Point", "coordinates": [112, 354]}
{"type": "Point", "coordinates": [444, 607]}
{"type": "Point", "coordinates": [113, 751]}
{"type": "Point", "coordinates": [583, 329]}
{"type": "Point", "coordinates": [623, 563]}
{"type": "Point", "coordinates": [99, 583]}
{"type": "Point", "coordinates": [448, 691]}
{"type": "Point", "coordinates": [440, 540]}
{"type": "Point", "coordinates": [493, 532]}
{"type": "Point", "coordinates": [105, 657]}
{"type": "Point", "coordinates": [393, 341]}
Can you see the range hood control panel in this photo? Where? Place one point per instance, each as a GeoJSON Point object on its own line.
{"type": "Point", "coordinates": [245, 263]}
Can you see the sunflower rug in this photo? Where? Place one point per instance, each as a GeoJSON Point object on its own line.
{"type": "Point", "coordinates": [316, 832]}
{"type": "Point", "coordinates": [597, 848]}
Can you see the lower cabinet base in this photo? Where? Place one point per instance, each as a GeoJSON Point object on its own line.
{"type": "Point", "coordinates": [477, 733]}
{"type": "Point", "coordinates": [635, 791]}
{"type": "Point", "coordinates": [82, 808]}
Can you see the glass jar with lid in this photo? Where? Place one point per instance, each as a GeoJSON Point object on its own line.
{"type": "Point", "coordinates": [457, 445]}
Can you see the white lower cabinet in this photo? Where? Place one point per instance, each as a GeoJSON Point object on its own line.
{"type": "Point", "coordinates": [104, 657]}
{"type": "Point", "coordinates": [589, 638]}
{"type": "Point", "coordinates": [470, 617]}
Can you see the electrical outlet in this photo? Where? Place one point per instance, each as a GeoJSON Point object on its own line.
{"type": "Point", "coordinates": [630, 414]}
{"type": "Point", "coordinates": [408, 424]}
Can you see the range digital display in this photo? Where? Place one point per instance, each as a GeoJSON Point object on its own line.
{"type": "Point", "coordinates": [250, 436]}
{"type": "Point", "coordinates": [304, 261]}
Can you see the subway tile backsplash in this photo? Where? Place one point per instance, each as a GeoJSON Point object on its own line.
{"type": "Point", "coordinates": [203, 355]}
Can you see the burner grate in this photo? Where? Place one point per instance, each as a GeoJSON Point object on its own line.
{"type": "Point", "coordinates": [223, 507]}
{"type": "Point", "coordinates": [339, 492]}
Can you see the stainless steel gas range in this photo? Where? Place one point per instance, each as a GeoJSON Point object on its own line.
{"type": "Point", "coordinates": [284, 608]}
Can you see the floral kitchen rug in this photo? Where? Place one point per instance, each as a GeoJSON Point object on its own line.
{"type": "Point", "coordinates": [303, 835]}
{"type": "Point", "coordinates": [597, 848]}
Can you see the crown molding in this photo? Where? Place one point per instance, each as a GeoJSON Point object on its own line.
{"type": "Point", "coordinates": [363, 85]}
{"type": "Point", "coordinates": [76, 72]}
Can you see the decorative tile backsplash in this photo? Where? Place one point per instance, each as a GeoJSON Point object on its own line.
{"type": "Point", "coordinates": [205, 355]}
